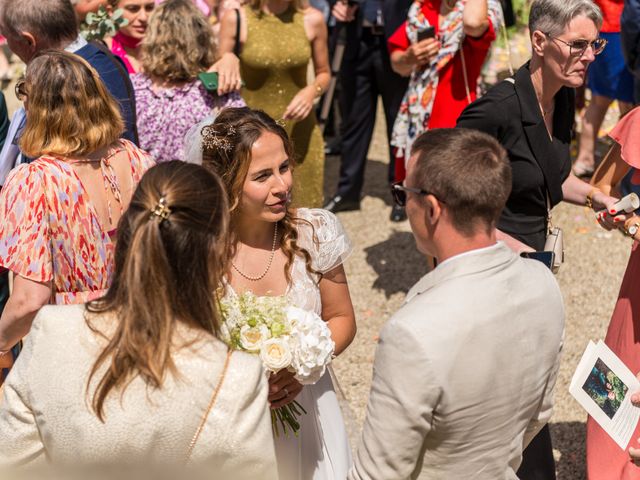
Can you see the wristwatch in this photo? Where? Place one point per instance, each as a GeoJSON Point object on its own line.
{"type": "Point", "coordinates": [632, 229]}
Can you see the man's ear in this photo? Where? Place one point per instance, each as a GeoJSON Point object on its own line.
{"type": "Point", "coordinates": [538, 41]}
{"type": "Point", "coordinates": [29, 39]}
{"type": "Point", "coordinates": [433, 210]}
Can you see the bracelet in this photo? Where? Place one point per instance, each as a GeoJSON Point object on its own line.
{"type": "Point", "coordinates": [4, 352]}
{"type": "Point", "coordinates": [319, 90]}
{"type": "Point", "coordinates": [589, 201]}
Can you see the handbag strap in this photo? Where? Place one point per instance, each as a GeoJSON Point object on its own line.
{"type": "Point", "coordinates": [236, 45]}
{"type": "Point", "coordinates": [549, 218]}
{"type": "Point", "coordinates": [212, 402]}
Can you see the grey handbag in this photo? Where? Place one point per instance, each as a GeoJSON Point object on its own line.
{"type": "Point", "coordinates": [555, 241]}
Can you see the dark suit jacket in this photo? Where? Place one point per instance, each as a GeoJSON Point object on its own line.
{"type": "Point", "coordinates": [394, 13]}
{"type": "Point", "coordinates": [510, 112]}
{"type": "Point", "coordinates": [115, 83]}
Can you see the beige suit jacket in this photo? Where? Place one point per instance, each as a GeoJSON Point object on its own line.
{"type": "Point", "coordinates": [464, 371]}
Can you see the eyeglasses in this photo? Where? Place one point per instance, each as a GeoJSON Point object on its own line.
{"type": "Point", "coordinates": [21, 92]}
{"type": "Point", "coordinates": [578, 47]}
{"type": "Point", "coordinates": [399, 193]}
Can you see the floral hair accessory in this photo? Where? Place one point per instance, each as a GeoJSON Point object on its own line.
{"type": "Point", "coordinates": [212, 139]}
{"type": "Point", "coordinates": [161, 210]}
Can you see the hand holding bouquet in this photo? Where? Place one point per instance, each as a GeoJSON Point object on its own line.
{"type": "Point", "coordinates": [285, 337]}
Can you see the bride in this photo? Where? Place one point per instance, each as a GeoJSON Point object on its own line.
{"type": "Point", "coordinates": [278, 250]}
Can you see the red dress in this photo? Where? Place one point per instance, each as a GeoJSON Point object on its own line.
{"type": "Point", "coordinates": [451, 94]}
{"type": "Point", "coordinates": [605, 459]}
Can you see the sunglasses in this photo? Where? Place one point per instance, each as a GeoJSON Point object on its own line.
{"type": "Point", "coordinates": [399, 193]}
{"type": "Point", "coordinates": [578, 47]}
{"type": "Point", "coordinates": [21, 92]}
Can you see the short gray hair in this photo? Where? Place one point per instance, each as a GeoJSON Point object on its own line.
{"type": "Point", "coordinates": [553, 16]}
{"type": "Point", "coordinates": [53, 21]}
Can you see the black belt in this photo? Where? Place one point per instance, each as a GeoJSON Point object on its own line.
{"type": "Point", "coordinates": [374, 30]}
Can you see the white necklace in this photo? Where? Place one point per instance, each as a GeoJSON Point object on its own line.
{"type": "Point", "coordinates": [273, 253]}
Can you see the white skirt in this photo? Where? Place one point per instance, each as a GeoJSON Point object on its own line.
{"type": "Point", "coordinates": [321, 450]}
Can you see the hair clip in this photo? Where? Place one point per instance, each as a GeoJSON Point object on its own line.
{"type": "Point", "coordinates": [211, 140]}
{"type": "Point", "coordinates": [161, 210]}
{"type": "Point", "coordinates": [281, 123]}
{"type": "Point", "coordinates": [231, 130]}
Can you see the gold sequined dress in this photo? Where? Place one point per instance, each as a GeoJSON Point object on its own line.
{"type": "Point", "coordinates": [273, 65]}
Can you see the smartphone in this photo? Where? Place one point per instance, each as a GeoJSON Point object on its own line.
{"type": "Point", "coordinates": [545, 257]}
{"type": "Point", "coordinates": [429, 32]}
{"type": "Point", "coordinates": [209, 80]}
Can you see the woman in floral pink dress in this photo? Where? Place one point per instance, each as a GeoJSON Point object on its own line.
{"type": "Point", "coordinates": [59, 212]}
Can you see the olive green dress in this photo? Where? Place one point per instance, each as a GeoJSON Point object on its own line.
{"type": "Point", "coordinates": [273, 65]}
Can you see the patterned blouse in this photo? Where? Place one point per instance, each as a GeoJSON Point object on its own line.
{"type": "Point", "coordinates": [50, 230]}
{"type": "Point", "coordinates": [165, 115]}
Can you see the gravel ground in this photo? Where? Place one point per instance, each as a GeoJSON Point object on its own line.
{"type": "Point", "coordinates": [385, 264]}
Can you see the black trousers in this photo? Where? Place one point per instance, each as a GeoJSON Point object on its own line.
{"type": "Point", "coordinates": [537, 458]}
{"type": "Point", "coordinates": [363, 77]}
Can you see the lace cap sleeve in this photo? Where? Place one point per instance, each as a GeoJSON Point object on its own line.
{"type": "Point", "coordinates": [625, 133]}
{"type": "Point", "coordinates": [331, 245]}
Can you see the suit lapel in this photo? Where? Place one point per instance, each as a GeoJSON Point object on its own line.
{"type": "Point", "coordinates": [537, 134]}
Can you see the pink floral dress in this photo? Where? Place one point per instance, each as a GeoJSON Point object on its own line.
{"type": "Point", "coordinates": [50, 231]}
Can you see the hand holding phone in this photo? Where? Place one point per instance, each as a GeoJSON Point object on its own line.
{"type": "Point", "coordinates": [545, 257]}
{"type": "Point", "coordinates": [209, 80]}
{"type": "Point", "coordinates": [429, 32]}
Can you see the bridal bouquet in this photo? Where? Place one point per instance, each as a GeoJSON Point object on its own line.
{"type": "Point", "coordinates": [285, 337]}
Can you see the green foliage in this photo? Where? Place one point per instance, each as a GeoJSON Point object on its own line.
{"type": "Point", "coordinates": [100, 24]}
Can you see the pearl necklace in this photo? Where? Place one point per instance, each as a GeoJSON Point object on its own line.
{"type": "Point", "coordinates": [273, 253]}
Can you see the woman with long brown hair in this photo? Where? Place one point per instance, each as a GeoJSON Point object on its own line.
{"type": "Point", "coordinates": [281, 251]}
{"type": "Point", "coordinates": [59, 213]}
{"type": "Point", "coordinates": [138, 377]}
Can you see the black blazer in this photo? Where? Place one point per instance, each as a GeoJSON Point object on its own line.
{"type": "Point", "coordinates": [510, 112]}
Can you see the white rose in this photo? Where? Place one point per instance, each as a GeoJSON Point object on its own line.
{"type": "Point", "coordinates": [313, 347]}
{"type": "Point", "coordinates": [275, 354]}
{"type": "Point", "coordinates": [252, 338]}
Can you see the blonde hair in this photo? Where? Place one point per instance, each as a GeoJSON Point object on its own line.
{"type": "Point", "coordinates": [168, 270]}
{"type": "Point", "coordinates": [179, 42]}
{"type": "Point", "coordinates": [259, 4]}
{"type": "Point", "coordinates": [70, 111]}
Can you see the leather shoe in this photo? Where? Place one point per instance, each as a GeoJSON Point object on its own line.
{"type": "Point", "coordinates": [339, 204]}
{"type": "Point", "coordinates": [398, 214]}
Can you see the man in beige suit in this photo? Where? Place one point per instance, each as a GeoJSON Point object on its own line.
{"type": "Point", "coordinates": [465, 370]}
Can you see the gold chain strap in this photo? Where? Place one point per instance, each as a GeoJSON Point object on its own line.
{"type": "Point", "coordinates": [212, 402]}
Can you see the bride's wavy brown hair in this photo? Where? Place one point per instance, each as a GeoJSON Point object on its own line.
{"type": "Point", "coordinates": [236, 130]}
{"type": "Point", "coordinates": [167, 271]}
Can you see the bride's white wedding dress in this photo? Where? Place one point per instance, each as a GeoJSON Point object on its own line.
{"type": "Point", "coordinates": [321, 450]}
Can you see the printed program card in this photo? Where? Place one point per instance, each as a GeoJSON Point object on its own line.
{"type": "Point", "coordinates": [603, 385]}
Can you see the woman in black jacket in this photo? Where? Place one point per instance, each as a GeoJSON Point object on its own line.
{"type": "Point", "coordinates": [531, 114]}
